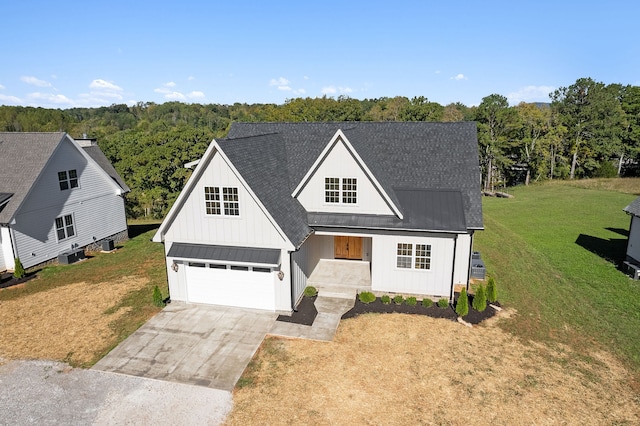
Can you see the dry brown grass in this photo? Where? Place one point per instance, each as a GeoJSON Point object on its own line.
{"type": "Point", "coordinates": [400, 369]}
{"type": "Point", "coordinates": [630, 185]}
{"type": "Point", "coordinates": [69, 323]}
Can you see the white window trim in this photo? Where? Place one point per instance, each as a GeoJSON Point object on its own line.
{"type": "Point", "coordinates": [64, 227]}
{"type": "Point", "coordinates": [413, 257]}
{"type": "Point", "coordinates": [221, 201]}
{"type": "Point", "coordinates": [341, 191]}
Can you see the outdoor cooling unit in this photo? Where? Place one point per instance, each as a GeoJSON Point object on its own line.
{"type": "Point", "coordinates": [69, 257]}
{"type": "Point", "coordinates": [478, 270]}
{"type": "Point", "coordinates": [108, 245]}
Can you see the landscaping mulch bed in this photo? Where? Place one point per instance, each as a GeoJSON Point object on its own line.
{"type": "Point", "coordinates": [433, 311]}
{"type": "Point", "coordinates": [7, 279]}
{"type": "Point", "coordinates": [304, 314]}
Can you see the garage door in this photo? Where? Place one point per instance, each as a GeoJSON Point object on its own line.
{"type": "Point", "coordinates": [241, 286]}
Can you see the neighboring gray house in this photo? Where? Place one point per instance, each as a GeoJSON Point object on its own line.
{"type": "Point", "coordinates": [55, 196]}
{"type": "Point", "coordinates": [633, 245]}
{"type": "Point", "coordinates": [265, 205]}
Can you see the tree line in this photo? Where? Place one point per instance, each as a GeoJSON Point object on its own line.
{"type": "Point", "coordinates": [588, 129]}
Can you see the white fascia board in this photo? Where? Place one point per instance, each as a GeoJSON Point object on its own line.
{"type": "Point", "coordinates": [340, 137]}
{"type": "Point", "coordinates": [193, 179]}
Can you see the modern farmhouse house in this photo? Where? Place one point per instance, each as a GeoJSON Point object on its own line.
{"type": "Point", "coordinates": [266, 204]}
{"type": "Point", "coordinates": [57, 195]}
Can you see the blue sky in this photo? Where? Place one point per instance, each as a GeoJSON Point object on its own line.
{"type": "Point", "coordinates": [67, 53]}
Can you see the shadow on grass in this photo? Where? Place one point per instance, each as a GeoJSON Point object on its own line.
{"type": "Point", "coordinates": [612, 250]}
{"type": "Point", "coordinates": [621, 231]}
{"type": "Point", "coordinates": [137, 229]}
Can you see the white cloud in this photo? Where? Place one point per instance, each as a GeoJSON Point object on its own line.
{"type": "Point", "coordinates": [35, 81]}
{"type": "Point", "coordinates": [169, 84]}
{"type": "Point", "coordinates": [531, 94]}
{"type": "Point", "coordinates": [332, 90]}
{"type": "Point", "coordinates": [459, 77]}
{"type": "Point", "coordinates": [190, 78]}
{"type": "Point", "coordinates": [279, 82]}
{"type": "Point", "coordinates": [105, 85]}
{"type": "Point", "coordinates": [195, 95]}
{"type": "Point", "coordinates": [50, 97]}
{"type": "Point", "coordinates": [175, 96]}
{"type": "Point", "coordinates": [2, 87]}
{"type": "Point", "coordinates": [9, 98]}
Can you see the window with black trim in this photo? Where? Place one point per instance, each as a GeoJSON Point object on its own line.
{"type": "Point", "coordinates": [229, 205]}
{"type": "Point", "coordinates": [340, 191]}
{"type": "Point", "coordinates": [419, 258]}
{"type": "Point", "coordinates": [64, 227]}
{"type": "Point", "coordinates": [68, 179]}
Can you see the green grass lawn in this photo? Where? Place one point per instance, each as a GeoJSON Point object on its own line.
{"type": "Point", "coordinates": [554, 250]}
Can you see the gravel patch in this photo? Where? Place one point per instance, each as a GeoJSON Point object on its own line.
{"type": "Point", "coordinates": [49, 392]}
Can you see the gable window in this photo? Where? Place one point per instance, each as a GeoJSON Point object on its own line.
{"type": "Point", "coordinates": [340, 191]}
{"type": "Point", "coordinates": [68, 179]}
{"type": "Point", "coordinates": [418, 257]}
{"type": "Point", "coordinates": [229, 205]}
{"type": "Point", "coordinates": [64, 227]}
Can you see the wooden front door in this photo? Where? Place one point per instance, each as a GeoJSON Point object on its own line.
{"type": "Point", "coordinates": [347, 247]}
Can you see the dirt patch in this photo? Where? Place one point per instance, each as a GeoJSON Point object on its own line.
{"type": "Point", "coordinates": [68, 323]}
{"type": "Point", "coordinates": [412, 369]}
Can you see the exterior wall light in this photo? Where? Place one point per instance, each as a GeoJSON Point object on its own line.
{"type": "Point", "coordinates": [280, 275]}
{"type": "Point", "coordinates": [175, 266]}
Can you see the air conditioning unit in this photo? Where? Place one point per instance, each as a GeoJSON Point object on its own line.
{"type": "Point", "coordinates": [72, 256]}
{"type": "Point", "coordinates": [108, 245]}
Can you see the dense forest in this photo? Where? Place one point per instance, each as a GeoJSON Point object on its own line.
{"type": "Point", "coordinates": [588, 129]}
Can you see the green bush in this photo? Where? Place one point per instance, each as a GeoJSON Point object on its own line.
{"type": "Point", "coordinates": [443, 303]}
{"type": "Point", "coordinates": [606, 169]}
{"type": "Point", "coordinates": [310, 291]}
{"type": "Point", "coordinates": [427, 302]}
{"type": "Point", "coordinates": [366, 297]}
{"type": "Point", "coordinates": [412, 301]}
{"type": "Point", "coordinates": [462, 307]}
{"type": "Point", "coordinates": [385, 299]}
{"type": "Point", "coordinates": [398, 299]}
{"type": "Point", "coordinates": [157, 297]}
{"type": "Point", "coordinates": [492, 292]}
{"type": "Point", "coordinates": [480, 299]}
{"type": "Point", "coordinates": [18, 270]}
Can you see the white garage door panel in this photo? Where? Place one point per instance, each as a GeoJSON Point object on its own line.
{"type": "Point", "coordinates": [246, 289]}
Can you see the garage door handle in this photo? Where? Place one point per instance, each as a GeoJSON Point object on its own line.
{"type": "Point", "coordinates": [347, 246]}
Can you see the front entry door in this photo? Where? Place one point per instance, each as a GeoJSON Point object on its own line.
{"type": "Point", "coordinates": [347, 247]}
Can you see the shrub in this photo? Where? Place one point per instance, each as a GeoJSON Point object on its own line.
{"type": "Point", "coordinates": [18, 270]}
{"type": "Point", "coordinates": [310, 291]}
{"type": "Point", "coordinates": [480, 299]}
{"type": "Point", "coordinates": [462, 307]}
{"type": "Point", "coordinates": [443, 303]}
{"type": "Point", "coordinates": [412, 301]}
{"type": "Point", "coordinates": [606, 169]}
{"type": "Point", "coordinates": [157, 297]}
{"type": "Point", "coordinates": [492, 292]}
{"type": "Point", "coordinates": [366, 297]}
{"type": "Point", "coordinates": [385, 299]}
{"type": "Point", "coordinates": [398, 299]}
{"type": "Point", "coordinates": [427, 302]}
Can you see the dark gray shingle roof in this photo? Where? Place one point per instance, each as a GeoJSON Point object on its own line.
{"type": "Point", "coordinates": [98, 156]}
{"type": "Point", "coordinates": [423, 155]}
{"type": "Point", "coordinates": [225, 253]}
{"type": "Point", "coordinates": [22, 158]}
{"type": "Point", "coordinates": [634, 207]}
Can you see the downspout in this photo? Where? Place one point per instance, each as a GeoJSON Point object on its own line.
{"type": "Point", "coordinates": [470, 261]}
{"type": "Point", "coordinates": [291, 283]}
{"type": "Point", "coordinates": [453, 266]}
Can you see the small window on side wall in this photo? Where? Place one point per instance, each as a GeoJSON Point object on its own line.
{"type": "Point", "coordinates": [68, 179]}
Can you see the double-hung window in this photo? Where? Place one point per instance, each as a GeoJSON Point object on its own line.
{"type": "Point", "coordinates": [413, 256]}
{"type": "Point", "coordinates": [68, 179]}
{"type": "Point", "coordinates": [64, 227]}
{"type": "Point", "coordinates": [340, 190]}
{"type": "Point", "coordinates": [221, 201]}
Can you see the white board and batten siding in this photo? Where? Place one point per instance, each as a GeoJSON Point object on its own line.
{"type": "Point", "coordinates": [386, 276]}
{"type": "Point", "coordinates": [339, 163]}
{"type": "Point", "coordinates": [97, 208]}
{"type": "Point", "coordinates": [463, 258]}
{"type": "Point", "coordinates": [633, 246]}
{"type": "Point", "coordinates": [6, 249]}
{"type": "Point", "coordinates": [252, 228]}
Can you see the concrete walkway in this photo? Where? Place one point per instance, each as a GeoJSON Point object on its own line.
{"type": "Point", "coordinates": [192, 344]}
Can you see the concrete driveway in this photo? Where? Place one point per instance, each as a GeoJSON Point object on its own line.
{"type": "Point", "coordinates": [192, 344]}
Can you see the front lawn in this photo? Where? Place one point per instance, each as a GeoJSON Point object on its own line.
{"type": "Point", "coordinates": [77, 313]}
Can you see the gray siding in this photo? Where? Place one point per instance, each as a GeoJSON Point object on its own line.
{"type": "Point", "coordinates": [633, 247]}
{"type": "Point", "coordinates": [97, 210]}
